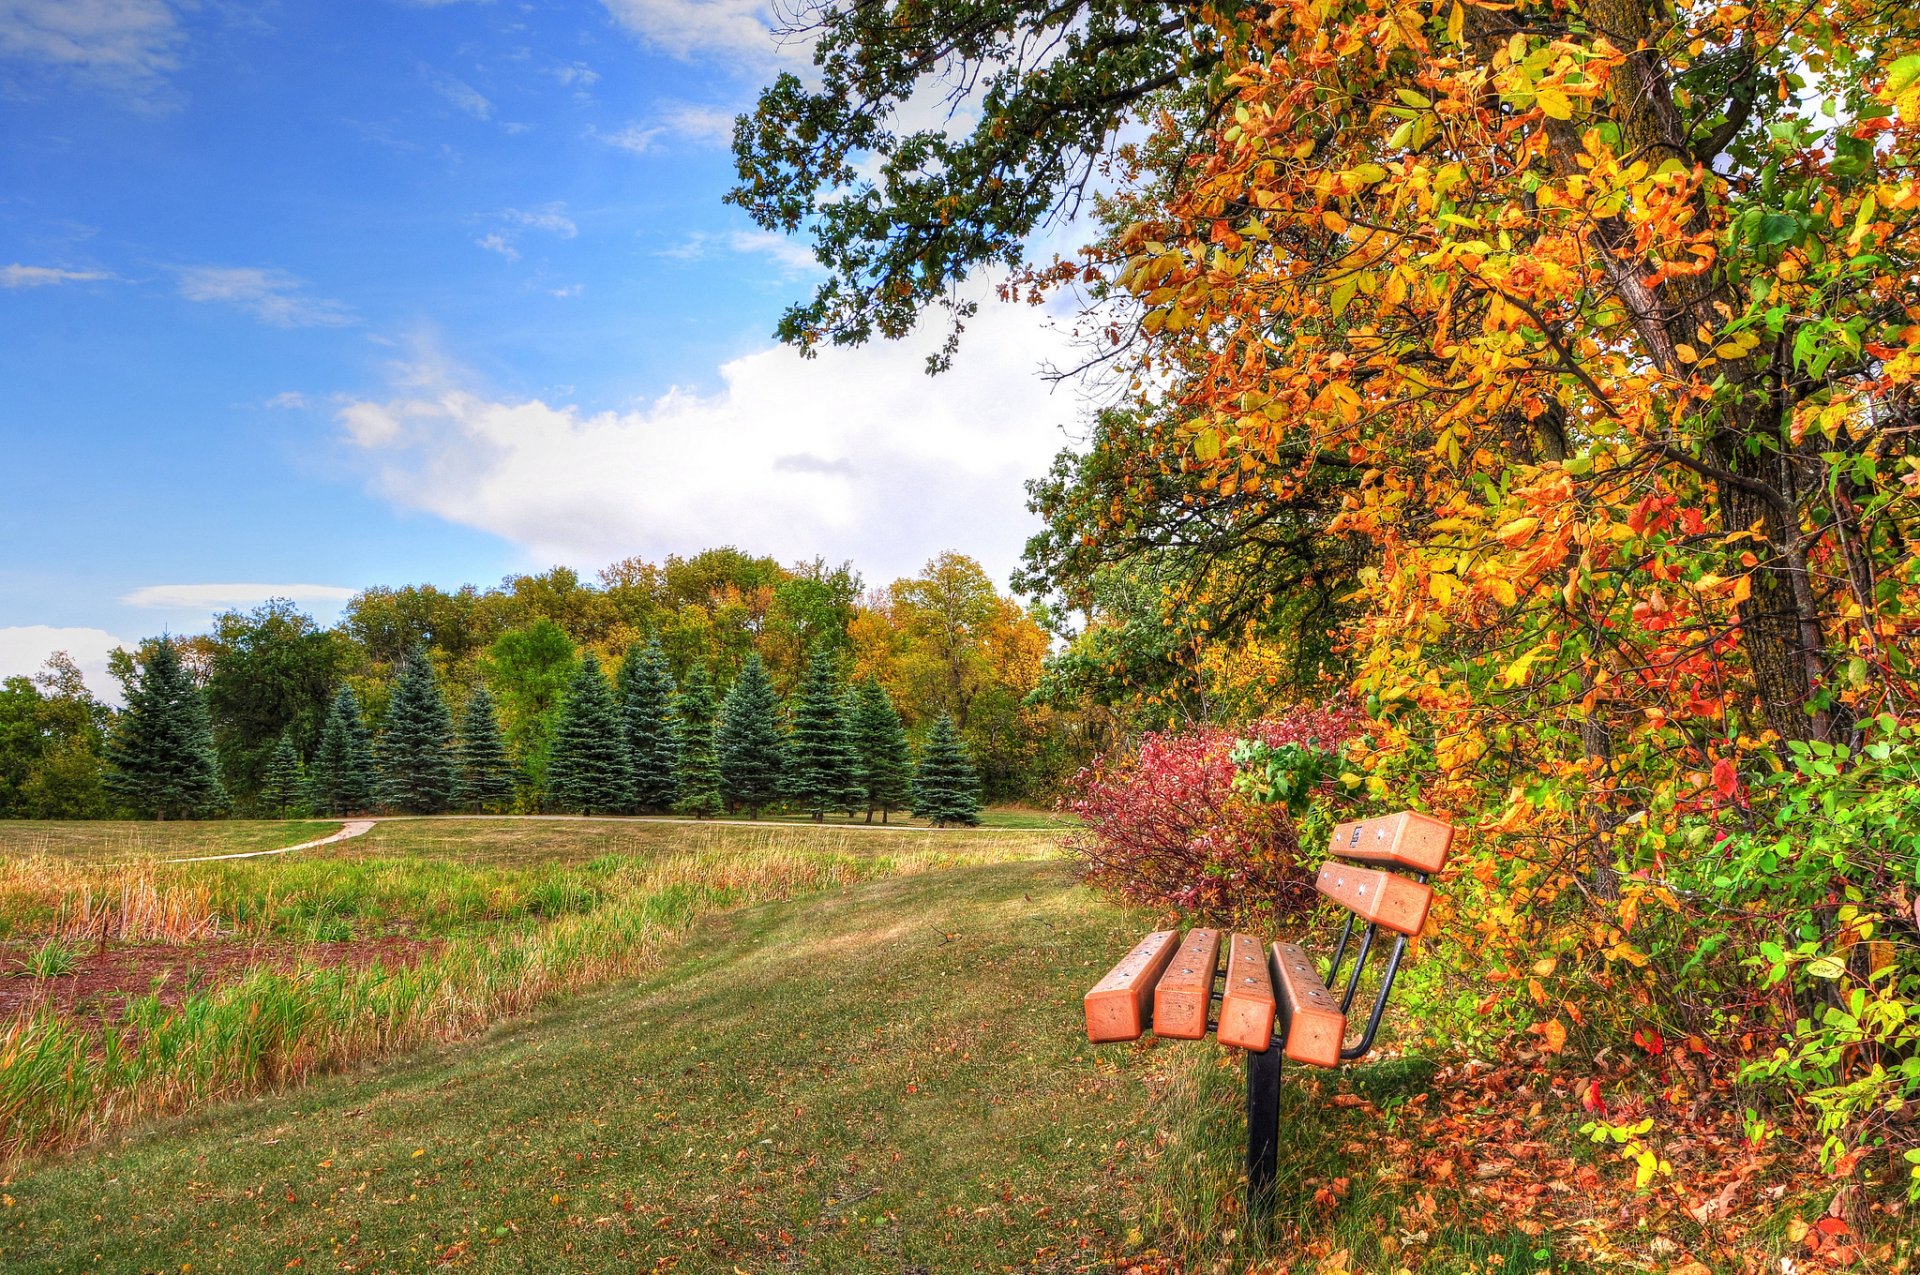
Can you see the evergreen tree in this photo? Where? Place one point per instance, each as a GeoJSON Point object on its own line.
{"type": "Point", "coordinates": [646, 710]}
{"type": "Point", "coordinates": [284, 792]}
{"type": "Point", "coordinates": [486, 773]}
{"type": "Point", "coordinates": [416, 750]}
{"type": "Point", "coordinates": [822, 767]}
{"type": "Point", "coordinates": [341, 779]}
{"type": "Point", "coordinates": [590, 771]}
{"type": "Point", "coordinates": [880, 741]}
{"type": "Point", "coordinates": [696, 770]}
{"type": "Point", "coordinates": [161, 756]}
{"type": "Point", "coordinates": [750, 740]}
{"type": "Point", "coordinates": [945, 788]}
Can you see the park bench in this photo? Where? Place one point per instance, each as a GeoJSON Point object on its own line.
{"type": "Point", "coordinates": [1274, 1002]}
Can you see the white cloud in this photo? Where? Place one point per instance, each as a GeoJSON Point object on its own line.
{"type": "Point", "coordinates": [855, 454]}
{"type": "Point", "coordinates": [223, 597]}
{"type": "Point", "coordinates": [692, 28]}
{"type": "Point", "coordinates": [24, 649]}
{"type": "Point", "coordinates": [272, 296]}
{"type": "Point", "coordinates": [497, 242]}
{"type": "Point", "coordinates": [636, 139]}
{"type": "Point", "coordinates": [709, 125]}
{"type": "Point", "coordinates": [578, 75]}
{"type": "Point", "coordinates": [571, 290]}
{"type": "Point", "coordinates": [551, 218]}
{"type": "Point", "coordinates": [128, 44]}
{"type": "Point", "coordinates": [461, 94]}
{"type": "Point", "coordinates": [289, 400]}
{"type": "Point", "coordinates": [19, 276]}
{"type": "Point", "coordinates": [793, 256]}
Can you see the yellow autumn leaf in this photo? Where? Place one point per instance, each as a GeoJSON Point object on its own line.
{"type": "Point", "coordinates": [1554, 1036]}
{"type": "Point", "coordinates": [1555, 104]}
{"type": "Point", "coordinates": [1333, 221]}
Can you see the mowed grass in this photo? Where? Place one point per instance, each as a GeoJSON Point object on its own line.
{"type": "Point", "coordinates": [886, 1074]}
{"type": "Point", "coordinates": [889, 1076]}
{"type": "Point", "coordinates": [105, 840]}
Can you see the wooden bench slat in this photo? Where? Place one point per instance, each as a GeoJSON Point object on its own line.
{"type": "Point", "coordinates": [1246, 1009]}
{"type": "Point", "coordinates": [1184, 994]}
{"type": "Point", "coordinates": [1406, 840]}
{"type": "Point", "coordinates": [1120, 1006]}
{"type": "Point", "coordinates": [1373, 894]}
{"type": "Point", "coordinates": [1310, 1016]}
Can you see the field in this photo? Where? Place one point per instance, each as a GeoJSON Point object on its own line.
{"type": "Point", "coordinates": [493, 1046]}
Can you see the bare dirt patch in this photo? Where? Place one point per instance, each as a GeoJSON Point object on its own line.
{"type": "Point", "coordinates": [98, 990]}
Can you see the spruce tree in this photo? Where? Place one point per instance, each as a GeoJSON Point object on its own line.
{"type": "Point", "coordinates": [696, 769]}
{"type": "Point", "coordinates": [161, 759]}
{"type": "Point", "coordinates": [341, 778]}
{"type": "Point", "coordinates": [416, 749]}
{"type": "Point", "coordinates": [589, 771]}
{"type": "Point", "coordinates": [822, 768]}
{"type": "Point", "coordinates": [284, 794]}
{"type": "Point", "coordinates": [945, 788]}
{"type": "Point", "coordinates": [750, 740]}
{"type": "Point", "coordinates": [486, 773]}
{"type": "Point", "coordinates": [880, 740]}
{"type": "Point", "coordinates": [646, 711]}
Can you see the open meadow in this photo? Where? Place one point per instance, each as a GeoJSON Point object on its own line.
{"type": "Point", "coordinates": [502, 1045]}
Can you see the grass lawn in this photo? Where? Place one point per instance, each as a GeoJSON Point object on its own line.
{"type": "Point", "coordinates": [110, 841]}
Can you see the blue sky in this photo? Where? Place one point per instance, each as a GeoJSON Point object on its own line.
{"type": "Point", "coordinates": [302, 297]}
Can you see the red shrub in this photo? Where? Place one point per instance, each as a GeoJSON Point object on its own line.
{"type": "Point", "coordinates": [1166, 829]}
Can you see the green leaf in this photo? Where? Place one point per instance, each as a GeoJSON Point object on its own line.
{"type": "Point", "coordinates": [1904, 73]}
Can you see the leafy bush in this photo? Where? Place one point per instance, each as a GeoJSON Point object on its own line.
{"type": "Point", "coordinates": [53, 959]}
{"type": "Point", "coordinates": [1813, 911]}
{"type": "Point", "coordinates": [1168, 826]}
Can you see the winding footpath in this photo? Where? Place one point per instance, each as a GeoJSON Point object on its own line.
{"type": "Point", "coordinates": [352, 828]}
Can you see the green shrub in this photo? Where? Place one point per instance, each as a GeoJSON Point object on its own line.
{"type": "Point", "coordinates": [52, 959]}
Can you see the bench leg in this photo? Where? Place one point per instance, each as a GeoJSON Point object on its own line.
{"type": "Point", "coordinates": [1263, 1127]}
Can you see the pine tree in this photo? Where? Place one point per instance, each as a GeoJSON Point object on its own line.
{"type": "Point", "coordinates": [750, 741]}
{"type": "Point", "coordinates": [880, 740]}
{"type": "Point", "coordinates": [696, 770]}
{"type": "Point", "coordinates": [341, 778]}
{"type": "Point", "coordinates": [486, 773]}
{"type": "Point", "coordinates": [161, 756]}
{"type": "Point", "coordinates": [822, 768]}
{"type": "Point", "coordinates": [416, 750]}
{"type": "Point", "coordinates": [945, 788]}
{"type": "Point", "coordinates": [284, 794]}
{"type": "Point", "coordinates": [646, 710]}
{"type": "Point", "coordinates": [590, 771]}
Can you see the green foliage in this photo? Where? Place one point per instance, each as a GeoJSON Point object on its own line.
{"type": "Point", "coordinates": [945, 788]}
{"type": "Point", "coordinates": [822, 766]}
{"type": "Point", "coordinates": [1819, 908]}
{"type": "Point", "coordinates": [161, 751]}
{"type": "Point", "coordinates": [880, 743]}
{"type": "Point", "coordinates": [284, 790]}
{"type": "Point", "coordinates": [341, 779]}
{"type": "Point", "coordinates": [646, 710]}
{"type": "Point", "coordinates": [696, 768]}
{"type": "Point", "coordinates": [899, 215]}
{"type": "Point", "coordinates": [750, 741]}
{"type": "Point", "coordinates": [529, 670]}
{"type": "Point", "coordinates": [590, 771]}
{"type": "Point", "coordinates": [52, 959]}
{"type": "Point", "coordinates": [486, 772]}
{"type": "Point", "coordinates": [1287, 774]}
{"type": "Point", "coordinates": [52, 739]}
{"type": "Point", "coordinates": [416, 749]}
{"type": "Point", "coordinates": [271, 672]}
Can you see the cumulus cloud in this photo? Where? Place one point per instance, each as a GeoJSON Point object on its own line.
{"type": "Point", "coordinates": [688, 29]}
{"type": "Point", "coordinates": [274, 297]}
{"type": "Point", "coordinates": [19, 276]}
{"type": "Point", "coordinates": [497, 242]}
{"type": "Point", "coordinates": [225, 597]}
{"type": "Point", "coordinates": [131, 45]}
{"type": "Point", "coordinates": [709, 125]}
{"type": "Point", "coordinates": [854, 454]}
{"type": "Point", "coordinates": [635, 139]}
{"type": "Point", "coordinates": [551, 218]}
{"type": "Point", "coordinates": [792, 256]}
{"type": "Point", "coordinates": [24, 649]}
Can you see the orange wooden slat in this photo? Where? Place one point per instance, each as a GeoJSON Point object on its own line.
{"type": "Point", "coordinates": [1406, 840]}
{"type": "Point", "coordinates": [1309, 1015]}
{"type": "Point", "coordinates": [1397, 902]}
{"type": "Point", "coordinates": [1120, 1006]}
{"type": "Point", "coordinates": [1246, 1009]}
{"type": "Point", "coordinates": [1185, 992]}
